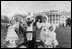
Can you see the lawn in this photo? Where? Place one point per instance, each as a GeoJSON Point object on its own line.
{"type": "Point", "coordinates": [3, 33]}
{"type": "Point", "coordinates": [63, 36]}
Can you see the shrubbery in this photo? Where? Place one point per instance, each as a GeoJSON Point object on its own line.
{"type": "Point", "coordinates": [4, 21]}
{"type": "Point", "coordinates": [68, 22]}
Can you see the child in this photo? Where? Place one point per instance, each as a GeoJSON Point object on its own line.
{"type": "Point", "coordinates": [12, 36]}
{"type": "Point", "coordinates": [51, 41]}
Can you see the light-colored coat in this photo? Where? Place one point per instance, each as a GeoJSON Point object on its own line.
{"type": "Point", "coordinates": [12, 35]}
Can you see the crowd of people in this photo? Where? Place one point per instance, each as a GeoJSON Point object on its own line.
{"type": "Point", "coordinates": [19, 24]}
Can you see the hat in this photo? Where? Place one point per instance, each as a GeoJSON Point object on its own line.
{"type": "Point", "coordinates": [45, 16]}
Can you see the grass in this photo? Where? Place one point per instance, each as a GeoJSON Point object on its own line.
{"type": "Point", "coordinates": [3, 33]}
{"type": "Point", "coordinates": [63, 36]}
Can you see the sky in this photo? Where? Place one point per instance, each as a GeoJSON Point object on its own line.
{"type": "Point", "coordinates": [11, 8]}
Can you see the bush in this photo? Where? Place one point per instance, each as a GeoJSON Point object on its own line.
{"type": "Point", "coordinates": [68, 22]}
{"type": "Point", "coordinates": [4, 19]}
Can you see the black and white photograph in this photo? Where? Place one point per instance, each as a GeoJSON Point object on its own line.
{"type": "Point", "coordinates": [35, 24]}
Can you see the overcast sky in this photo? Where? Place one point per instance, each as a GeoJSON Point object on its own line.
{"type": "Point", "coordinates": [12, 7]}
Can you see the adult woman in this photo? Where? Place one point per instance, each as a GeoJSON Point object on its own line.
{"type": "Point", "coordinates": [44, 27]}
{"type": "Point", "coordinates": [45, 34]}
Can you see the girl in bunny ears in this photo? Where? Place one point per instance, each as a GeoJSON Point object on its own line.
{"type": "Point", "coordinates": [47, 34]}
{"type": "Point", "coordinates": [51, 41]}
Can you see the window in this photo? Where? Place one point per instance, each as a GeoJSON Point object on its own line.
{"type": "Point", "coordinates": [50, 20]}
{"type": "Point", "coordinates": [50, 16]}
{"type": "Point", "coordinates": [53, 16]}
{"type": "Point", "coordinates": [53, 19]}
{"type": "Point", "coordinates": [56, 16]}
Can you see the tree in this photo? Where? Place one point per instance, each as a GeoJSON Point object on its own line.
{"type": "Point", "coordinates": [68, 21]}
{"type": "Point", "coordinates": [4, 19]}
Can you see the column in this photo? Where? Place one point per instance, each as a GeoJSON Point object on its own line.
{"type": "Point", "coordinates": [48, 18]}
{"type": "Point", "coordinates": [52, 19]}
{"type": "Point", "coordinates": [58, 19]}
{"type": "Point", "coordinates": [55, 19]}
